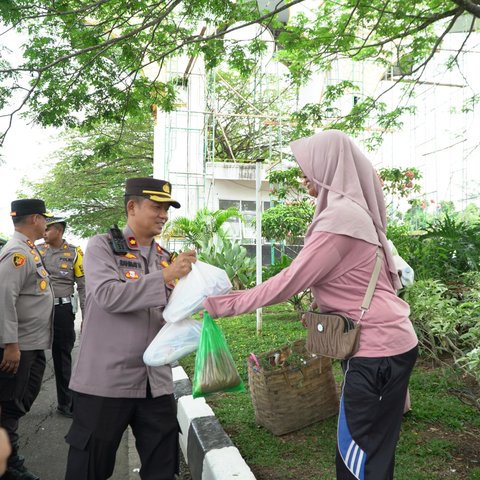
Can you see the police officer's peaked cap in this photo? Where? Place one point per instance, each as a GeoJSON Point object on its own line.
{"type": "Point", "coordinates": [52, 220]}
{"type": "Point", "coordinates": [29, 206]}
{"type": "Point", "coordinates": [151, 188]}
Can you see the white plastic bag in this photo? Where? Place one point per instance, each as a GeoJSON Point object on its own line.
{"type": "Point", "coordinates": [190, 292]}
{"type": "Point", "coordinates": [172, 342]}
{"type": "Point", "coordinates": [405, 271]}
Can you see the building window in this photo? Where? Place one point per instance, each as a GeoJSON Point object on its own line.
{"type": "Point", "coordinates": [234, 227]}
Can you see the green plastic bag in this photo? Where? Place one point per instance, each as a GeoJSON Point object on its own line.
{"type": "Point", "coordinates": [215, 370]}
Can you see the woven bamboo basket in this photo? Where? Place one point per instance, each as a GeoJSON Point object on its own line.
{"type": "Point", "coordinates": [288, 398]}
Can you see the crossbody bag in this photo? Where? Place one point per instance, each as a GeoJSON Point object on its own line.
{"type": "Point", "coordinates": [335, 335]}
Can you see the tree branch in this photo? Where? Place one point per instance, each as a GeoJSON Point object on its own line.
{"type": "Point", "coordinates": [469, 6]}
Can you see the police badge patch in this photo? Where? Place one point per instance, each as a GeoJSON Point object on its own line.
{"type": "Point", "coordinates": [132, 274]}
{"type": "Point", "coordinates": [18, 260]}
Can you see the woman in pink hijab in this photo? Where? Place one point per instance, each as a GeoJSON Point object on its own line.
{"type": "Point", "coordinates": [336, 263]}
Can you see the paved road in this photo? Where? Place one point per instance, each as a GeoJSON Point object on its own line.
{"type": "Point", "coordinates": [42, 433]}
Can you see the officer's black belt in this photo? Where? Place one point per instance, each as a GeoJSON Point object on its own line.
{"type": "Point", "coordinates": [62, 300]}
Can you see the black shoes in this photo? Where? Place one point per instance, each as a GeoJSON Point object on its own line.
{"type": "Point", "coordinates": [19, 473]}
{"type": "Point", "coordinates": [16, 469]}
{"type": "Point", "coordinates": [65, 411]}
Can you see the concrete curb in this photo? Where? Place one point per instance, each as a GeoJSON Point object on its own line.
{"type": "Point", "coordinates": [207, 449]}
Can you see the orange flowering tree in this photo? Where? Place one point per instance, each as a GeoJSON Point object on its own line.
{"type": "Point", "coordinates": [400, 182]}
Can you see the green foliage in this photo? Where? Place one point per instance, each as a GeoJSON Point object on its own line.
{"type": "Point", "coordinates": [291, 213]}
{"type": "Point", "coordinates": [445, 299]}
{"type": "Point", "coordinates": [286, 222]}
{"type": "Point", "coordinates": [447, 248]}
{"type": "Point", "coordinates": [250, 115]}
{"type": "Point", "coordinates": [456, 245]}
{"type": "Point", "coordinates": [433, 433]}
{"type": "Point", "coordinates": [203, 227]}
{"type": "Point", "coordinates": [86, 62]}
{"type": "Point", "coordinates": [231, 257]}
{"type": "Point", "coordinates": [86, 183]}
{"type": "Point", "coordinates": [314, 115]}
{"type": "Point", "coordinates": [446, 325]}
{"type": "Point", "coordinates": [400, 182]}
{"type": "Point", "coordinates": [286, 184]}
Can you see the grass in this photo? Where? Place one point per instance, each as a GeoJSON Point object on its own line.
{"type": "Point", "coordinates": [440, 438]}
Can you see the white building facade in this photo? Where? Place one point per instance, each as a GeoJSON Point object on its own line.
{"type": "Point", "coordinates": [440, 138]}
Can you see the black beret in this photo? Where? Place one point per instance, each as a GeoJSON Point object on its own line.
{"type": "Point", "coordinates": [29, 206]}
{"type": "Point", "coordinates": [152, 188]}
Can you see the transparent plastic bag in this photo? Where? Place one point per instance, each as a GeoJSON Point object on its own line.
{"type": "Point", "coordinates": [215, 370]}
{"type": "Point", "coordinates": [190, 292]}
{"type": "Point", "coordinates": [172, 342]}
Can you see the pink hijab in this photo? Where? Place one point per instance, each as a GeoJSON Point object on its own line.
{"type": "Point", "coordinates": [350, 198]}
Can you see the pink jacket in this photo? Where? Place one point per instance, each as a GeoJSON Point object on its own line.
{"type": "Point", "coordinates": [337, 268]}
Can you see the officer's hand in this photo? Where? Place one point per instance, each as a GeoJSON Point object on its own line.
{"type": "Point", "coordinates": [181, 266]}
{"type": "Point", "coordinates": [11, 358]}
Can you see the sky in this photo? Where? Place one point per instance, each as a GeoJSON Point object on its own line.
{"type": "Point", "coordinates": [26, 148]}
{"type": "Point", "coordinates": [25, 154]}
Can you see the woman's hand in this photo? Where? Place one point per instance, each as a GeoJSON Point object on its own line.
{"type": "Point", "coordinates": [313, 307]}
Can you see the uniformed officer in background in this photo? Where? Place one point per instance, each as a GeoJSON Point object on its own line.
{"type": "Point", "coordinates": [64, 263]}
{"type": "Point", "coordinates": [26, 316]}
{"type": "Point", "coordinates": [127, 287]}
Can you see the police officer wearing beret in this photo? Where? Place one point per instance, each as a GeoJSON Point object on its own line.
{"type": "Point", "coordinates": [64, 263]}
{"type": "Point", "coordinates": [26, 315]}
{"type": "Point", "coordinates": [128, 282]}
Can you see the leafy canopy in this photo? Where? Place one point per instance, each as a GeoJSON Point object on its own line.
{"type": "Point", "coordinates": [87, 182]}
{"type": "Point", "coordinates": [85, 61]}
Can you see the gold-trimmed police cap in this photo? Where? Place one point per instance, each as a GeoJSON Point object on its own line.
{"type": "Point", "coordinates": [151, 188]}
{"type": "Point", "coordinates": [52, 220]}
{"type": "Point", "coordinates": [29, 206]}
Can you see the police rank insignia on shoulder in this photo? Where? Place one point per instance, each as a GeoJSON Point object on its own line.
{"type": "Point", "coordinates": [18, 260]}
{"type": "Point", "coordinates": [43, 285]}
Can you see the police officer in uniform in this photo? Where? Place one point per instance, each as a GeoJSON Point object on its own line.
{"type": "Point", "coordinates": [26, 315]}
{"type": "Point", "coordinates": [64, 263]}
{"type": "Point", "coordinates": [128, 277]}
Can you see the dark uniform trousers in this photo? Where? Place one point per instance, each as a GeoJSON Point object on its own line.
{"type": "Point", "coordinates": [98, 426]}
{"type": "Point", "coordinates": [371, 412]}
{"type": "Point", "coordinates": [63, 341]}
{"type": "Point", "coordinates": [17, 394]}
